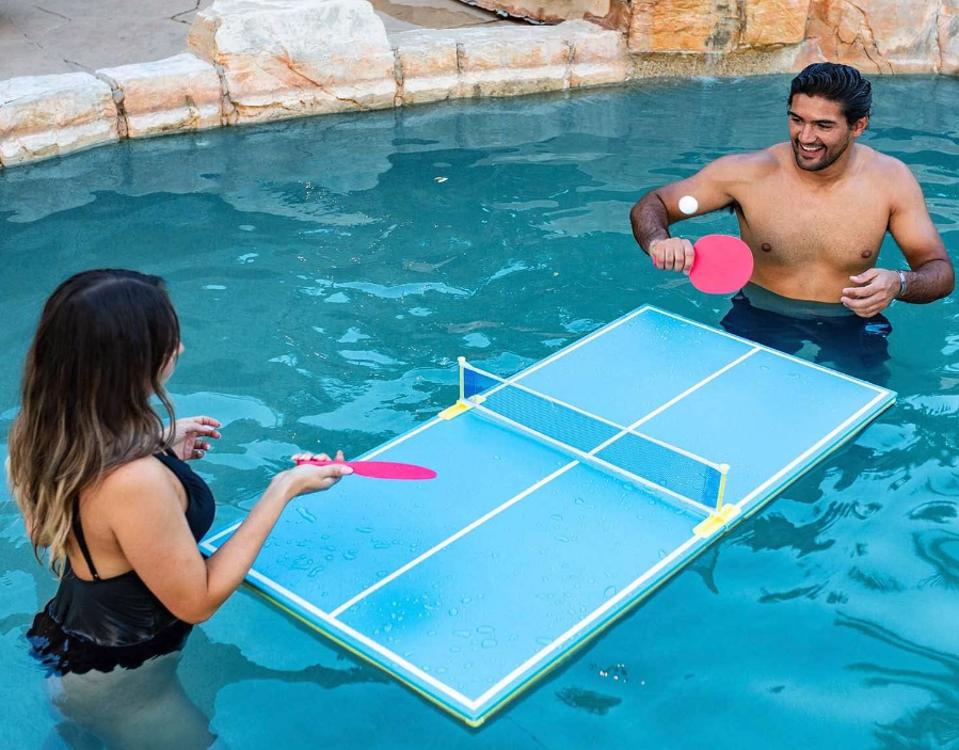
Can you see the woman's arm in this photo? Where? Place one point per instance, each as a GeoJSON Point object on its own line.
{"type": "Point", "coordinates": [145, 515]}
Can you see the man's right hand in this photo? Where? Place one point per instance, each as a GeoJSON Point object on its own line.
{"type": "Point", "coordinates": [672, 254]}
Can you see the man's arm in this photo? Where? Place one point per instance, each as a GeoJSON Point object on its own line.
{"type": "Point", "coordinates": [931, 276]}
{"type": "Point", "coordinates": [658, 209]}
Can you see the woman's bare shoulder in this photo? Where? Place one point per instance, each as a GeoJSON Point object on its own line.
{"type": "Point", "coordinates": [145, 479]}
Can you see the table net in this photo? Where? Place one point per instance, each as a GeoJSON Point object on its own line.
{"type": "Point", "coordinates": [623, 450]}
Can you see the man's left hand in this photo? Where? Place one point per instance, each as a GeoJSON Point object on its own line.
{"type": "Point", "coordinates": [873, 292]}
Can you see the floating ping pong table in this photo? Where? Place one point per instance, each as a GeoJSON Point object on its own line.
{"type": "Point", "coordinates": [565, 493]}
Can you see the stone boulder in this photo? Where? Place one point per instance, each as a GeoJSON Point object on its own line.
{"type": "Point", "coordinates": [166, 96]}
{"type": "Point", "coordinates": [501, 61]}
{"type": "Point", "coordinates": [598, 56]}
{"type": "Point", "coordinates": [706, 26]}
{"type": "Point", "coordinates": [541, 11]}
{"type": "Point", "coordinates": [44, 116]}
{"type": "Point", "coordinates": [427, 65]}
{"type": "Point", "coordinates": [437, 64]}
{"type": "Point", "coordinates": [286, 58]}
{"type": "Point", "coordinates": [769, 24]}
{"type": "Point", "coordinates": [880, 36]}
{"type": "Point", "coordinates": [949, 37]}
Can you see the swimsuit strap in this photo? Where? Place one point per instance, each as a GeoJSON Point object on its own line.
{"type": "Point", "coordinates": [82, 542]}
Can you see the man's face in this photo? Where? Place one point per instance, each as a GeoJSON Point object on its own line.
{"type": "Point", "coordinates": [819, 132]}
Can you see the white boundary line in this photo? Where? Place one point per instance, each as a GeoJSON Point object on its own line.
{"type": "Point", "coordinates": [601, 331]}
{"type": "Point", "coordinates": [449, 540]}
{"type": "Point", "coordinates": [811, 449]}
{"type": "Point", "coordinates": [783, 355]}
{"type": "Point", "coordinates": [589, 619]}
{"type": "Point", "coordinates": [663, 407]}
{"type": "Point", "coordinates": [208, 543]}
{"type": "Point", "coordinates": [400, 439]}
{"type": "Point", "coordinates": [366, 641]}
{"type": "Point", "coordinates": [471, 703]}
{"type": "Point", "coordinates": [375, 646]}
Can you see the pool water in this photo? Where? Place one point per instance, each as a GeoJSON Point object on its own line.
{"type": "Point", "coordinates": [329, 271]}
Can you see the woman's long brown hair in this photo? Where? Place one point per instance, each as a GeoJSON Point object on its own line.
{"type": "Point", "coordinates": [102, 343]}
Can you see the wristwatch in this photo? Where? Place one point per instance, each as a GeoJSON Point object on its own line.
{"type": "Point", "coordinates": [903, 284]}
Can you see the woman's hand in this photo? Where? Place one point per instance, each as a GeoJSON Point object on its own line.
{"type": "Point", "coordinates": [190, 436]}
{"type": "Point", "coordinates": [307, 477]}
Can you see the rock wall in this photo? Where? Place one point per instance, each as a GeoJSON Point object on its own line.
{"type": "Point", "coordinates": [879, 36]}
{"type": "Point", "coordinates": [261, 60]}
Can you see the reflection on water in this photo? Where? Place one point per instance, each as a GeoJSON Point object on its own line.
{"type": "Point", "coordinates": [936, 674]}
{"type": "Point", "coordinates": [940, 549]}
{"type": "Point", "coordinates": [329, 271]}
{"type": "Point", "coordinates": [588, 700]}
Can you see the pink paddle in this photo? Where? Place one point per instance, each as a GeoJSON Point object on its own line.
{"type": "Point", "coordinates": [379, 469]}
{"type": "Point", "coordinates": [721, 265]}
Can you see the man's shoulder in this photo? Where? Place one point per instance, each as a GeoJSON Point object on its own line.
{"type": "Point", "coordinates": [749, 165]}
{"type": "Point", "coordinates": [885, 169]}
{"type": "Point", "coordinates": [877, 160]}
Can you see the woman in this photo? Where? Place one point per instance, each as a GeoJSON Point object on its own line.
{"type": "Point", "coordinates": [105, 490]}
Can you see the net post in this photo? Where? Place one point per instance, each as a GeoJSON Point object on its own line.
{"type": "Point", "coordinates": [723, 471]}
{"type": "Point", "coordinates": [724, 512]}
{"type": "Point", "coordinates": [461, 405]}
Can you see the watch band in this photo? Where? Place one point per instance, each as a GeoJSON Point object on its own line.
{"type": "Point", "coordinates": [903, 284]}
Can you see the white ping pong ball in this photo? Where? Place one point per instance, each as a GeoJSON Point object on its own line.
{"type": "Point", "coordinates": [688, 205]}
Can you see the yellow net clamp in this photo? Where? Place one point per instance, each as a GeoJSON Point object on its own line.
{"type": "Point", "coordinates": [455, 410]}
{"type": "Point", "coordinates": [717, 519]}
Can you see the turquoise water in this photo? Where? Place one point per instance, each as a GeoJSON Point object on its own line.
{"type": "Point", "coordinates": [328, 272]}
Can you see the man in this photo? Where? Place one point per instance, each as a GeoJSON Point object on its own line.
{"type": "Point", "coordinates": [814, 212]}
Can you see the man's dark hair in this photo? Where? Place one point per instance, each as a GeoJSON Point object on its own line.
{"type": "Point", "coordinates": [839, 83]}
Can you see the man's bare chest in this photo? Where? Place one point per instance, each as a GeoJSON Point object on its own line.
{"type": "Point", "coordinates": [842, 228]}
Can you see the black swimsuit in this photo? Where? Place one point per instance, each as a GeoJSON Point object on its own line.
{"type": "Point", "coordinates": [111, 622]}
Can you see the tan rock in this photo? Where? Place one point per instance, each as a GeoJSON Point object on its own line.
{"type": "Point", "coordinates": [553, 11]}
{"type": "Point", "coordinates": [176, 94]}
{"type": "Point", "coordinates": [427, 65]}
{"type": "Point", "coordinates": [684, 26]}
{"type": "Point", "coordinates": [948, 33]}
{"type": "Point", "coordinates": [43, 116]}
{"type": "Point", "coordinates": [438, 64]}
{"type": "Point", "coordinates": [885, 36]}
{"type": "Point", "coordinates": [702, 26]}
{"type": "Point", "coordinates": [286, 58]}
{"type": "Point", "coordinates": [599, 56]}
{"type": "Point", "coordinates": [510, 61]}
{"type": "Point", "coordinates": [775, 22]}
